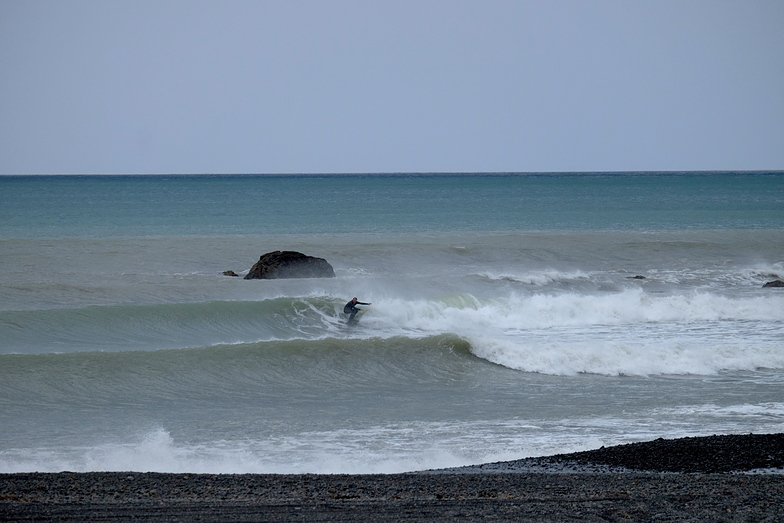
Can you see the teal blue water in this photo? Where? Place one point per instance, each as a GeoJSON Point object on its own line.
{"type": "Point", "coordinates": [198, 205]}
{"type": "Point", "coordinates": [513, 315]}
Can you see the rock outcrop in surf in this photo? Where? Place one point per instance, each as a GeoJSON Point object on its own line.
{"type": "Point", "coordinates": [289, 264]}
{"type": "Point", "coordinates": [774, 283]}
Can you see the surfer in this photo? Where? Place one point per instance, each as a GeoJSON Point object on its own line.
{"type": "Point", "coordinates": [352, 309]}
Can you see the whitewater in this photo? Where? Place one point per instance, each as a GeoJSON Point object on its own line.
{"type": "Point", "coordinates": [512, 316]}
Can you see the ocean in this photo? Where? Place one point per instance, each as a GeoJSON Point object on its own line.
{"type": "Point", "coordinates": [513, 315]}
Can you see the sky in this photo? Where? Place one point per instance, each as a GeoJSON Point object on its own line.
{"type": "Point", "coordinates": [356, 86]}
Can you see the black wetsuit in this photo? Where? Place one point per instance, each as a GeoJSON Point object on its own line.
{"type": "Point", "coordinates": [351, 308]}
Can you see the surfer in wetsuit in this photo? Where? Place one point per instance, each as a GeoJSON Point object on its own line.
{"type": "Point", "coordinates": [351, 308]}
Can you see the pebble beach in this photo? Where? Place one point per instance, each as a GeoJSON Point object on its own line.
{"type": "Point", "coordinates": [716, 478]}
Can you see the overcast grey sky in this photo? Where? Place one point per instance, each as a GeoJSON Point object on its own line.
{"type": "Point", "coordinates": [298, 86]}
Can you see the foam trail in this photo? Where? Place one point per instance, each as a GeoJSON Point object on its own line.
{"type": "Point", "coordinates": [633, 356]}
{"type": "Point", "coordinates": [626, 333]}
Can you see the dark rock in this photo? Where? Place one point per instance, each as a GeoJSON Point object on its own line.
{"type": "Point", "coordinates": [638, 277]}
{"type": "Point", "coordinates": [774, 283]}
{"type": "Point", "coordinates": [231, 273]}
{"type": "Point", "coordinates": [707, 454]}
{"type": "Point", "coordinates": [290, 264]}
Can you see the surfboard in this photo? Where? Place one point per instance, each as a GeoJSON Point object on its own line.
{"type": "Point", "coordinates": [356, 318]}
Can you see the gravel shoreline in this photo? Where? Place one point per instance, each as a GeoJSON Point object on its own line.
{"type": "Point", "coordinates": [690, 479]}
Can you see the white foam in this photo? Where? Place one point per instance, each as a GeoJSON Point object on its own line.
{"type": "Point", "coordinates": [759, 274]}
{"type": "Point", "coordinates": [765, 411]}
{"type": "Point", "coordinates": [540, 277]}
{"type": "Point", "coordinates": [639, 357]}
{"type": "Point", "coordinates": [378, 450]}
{"type": "Point", "coordinates": [395, 447]}
{"type": "Point", "coordinates": [625, 333]}
{"type": "Point", "coordinates": [375, 450]}
{"type": "Point", "coordinates": [571, 309]}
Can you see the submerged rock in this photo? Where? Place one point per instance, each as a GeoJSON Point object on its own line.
{"type": "Point", "coordinates": [774, 283]}
{"type": "Point", "coordinates": [290, 264]}
{"type": "Point", "coordinates": [231, 273]}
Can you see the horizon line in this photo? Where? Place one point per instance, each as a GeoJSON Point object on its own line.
{"type": "Point", "coordinates": [405, 173]}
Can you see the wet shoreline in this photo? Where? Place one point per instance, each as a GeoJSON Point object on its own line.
{"type": "Point", "coordinates": [597, 485]}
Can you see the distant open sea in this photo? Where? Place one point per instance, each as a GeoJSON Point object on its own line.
{"type": "Point", "coordinates": [513, 315]}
